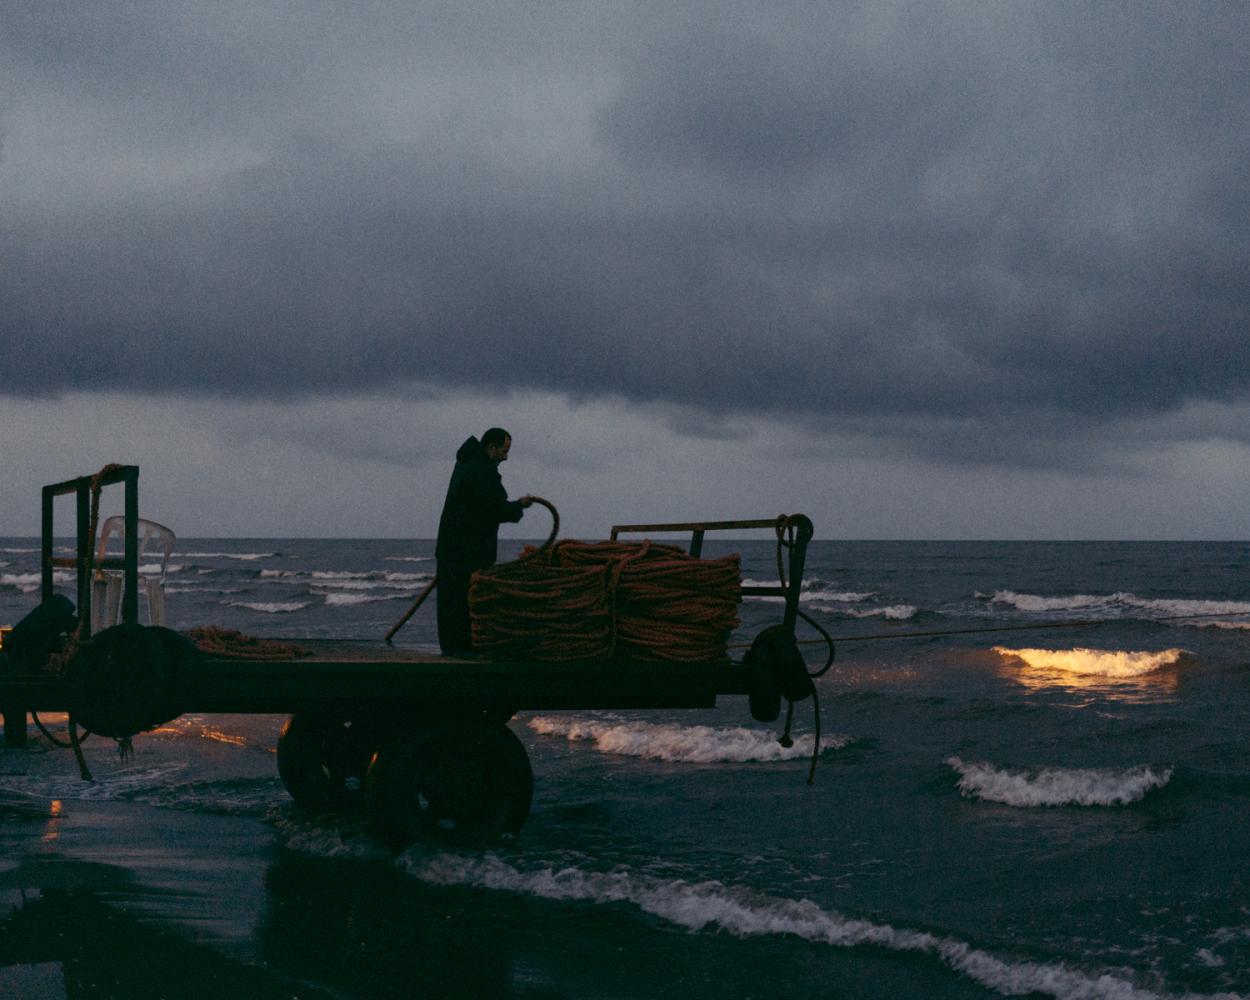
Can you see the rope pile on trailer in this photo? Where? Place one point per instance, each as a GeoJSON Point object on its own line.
{"type": "Point", "coordinates": [239, 646]}
{"type": "Point", "coordinates": [532, 610]}
{"type": "Point", "coordinates": [669, 605]}
{"type": "Point", "coordinates": [579, 600]}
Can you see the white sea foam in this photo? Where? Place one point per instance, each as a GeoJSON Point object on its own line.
{"type": "Point", "coordinates": [837, 596]}
{"type": "Point", "coordinates": [278, 574]}
{"type": "Point", "coordinates": [193, 588]}
{"type": "Point", "coordinates": [28, 583]}
{"type": "Point", "coordinates": [681, 744]}
{"type": "Point", "coordinates": [271, 607]}
{"type": "Point", "coordinates": [1112, 663]}
{"type": "Point", "coordinates": [314, 837]}
{"type": "Point", "coordinates": [336, 598]}
{"type": "Point", "coordinates": [1055, 786]}
{"type": "Point", "coordinates": [409, 558]}
{"type": "Point", "coordinates": [895, 612]}
{"type": "Point", "coordinates": [1223, 624]}
{"type": "Point", "coordinates": [153, 569]}
{"type": "Point", "coordinates": [107, 784]}
{"type": "Point", "coordinates": [1035, 602]}
{"type": "Point", "coordinates": [370, 581]}
{"type": "Point", "coordinates": [711, 905]}
{"type": "Point", "coordinates": [245, 556]}
{"type": "Point", "coordinates": [1158, 607]}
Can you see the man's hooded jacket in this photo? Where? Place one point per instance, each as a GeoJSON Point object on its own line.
{"type": "Point", "coordinates": [476, 504]}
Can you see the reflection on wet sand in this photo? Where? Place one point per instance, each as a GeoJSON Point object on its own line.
{"type": "Point", "coordinates": [70, 943]}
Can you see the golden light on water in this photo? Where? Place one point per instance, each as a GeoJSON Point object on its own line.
{"type": "Point", "coordinates": [1128, 675]}
{"type": "Point", "coordinates": [53, 828]}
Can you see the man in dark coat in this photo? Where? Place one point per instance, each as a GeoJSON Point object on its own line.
{"type": "Point", "coordinates": [468, 531]}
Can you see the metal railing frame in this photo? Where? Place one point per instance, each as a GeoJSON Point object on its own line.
{"type": "Point", "coordinates": [84, 561]}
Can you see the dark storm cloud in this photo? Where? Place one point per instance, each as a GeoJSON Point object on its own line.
{"type": "Point", "coordinates": [986, 219]}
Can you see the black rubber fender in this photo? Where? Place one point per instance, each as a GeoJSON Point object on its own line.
{"type": "Point", "coordinates": [123, 681]}
{"type": "Point", "coordinates": [775, 669]}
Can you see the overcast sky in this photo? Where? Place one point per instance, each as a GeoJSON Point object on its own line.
{"type": "Point", "coordinates": [919, 270]}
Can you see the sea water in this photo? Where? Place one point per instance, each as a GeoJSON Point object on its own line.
{"type": "Point", "coordinates": [1050, 810]}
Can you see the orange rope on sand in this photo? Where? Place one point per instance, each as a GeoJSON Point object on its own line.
{"type": "Point", "coordinates": [592, 599]}
{"type": "Point", "coordinates": [232, 644]}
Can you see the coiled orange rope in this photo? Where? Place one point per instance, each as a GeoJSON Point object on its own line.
{"type": "Point", "coordinates": [578, 600]}
{"type": "Point", "coordinates": [235, 645]}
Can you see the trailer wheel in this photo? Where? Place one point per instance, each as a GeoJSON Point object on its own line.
{"type": "Point", "coordinates": [322, 761]}
{"type": "Point", "coordinates": [462, 782]}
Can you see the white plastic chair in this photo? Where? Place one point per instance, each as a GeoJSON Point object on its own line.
{"type": "Point", "coordinates": [106, 587]}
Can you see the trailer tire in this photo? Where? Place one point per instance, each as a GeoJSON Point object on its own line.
{"type": "Point", "coordinates": [322, 761]}
{"type": "Point", "coordinates": [459, 782]}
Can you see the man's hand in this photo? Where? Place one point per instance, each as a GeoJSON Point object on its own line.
{"type": "Point", "coordinates": [526, 500]}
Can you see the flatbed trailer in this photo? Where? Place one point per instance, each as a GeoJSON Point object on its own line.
{"type": "Point", "coordinates": [417, 737]}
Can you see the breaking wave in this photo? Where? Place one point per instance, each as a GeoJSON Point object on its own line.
{"type": "Point", "coordinates": [244, 556]}
{"type": "Point", "coordinates": [336, 598]}
{"type": "Point", "coordinates": [1160, 607]}
{"type": "Point", "coordinates": [1054, 786]}
{"type": "Point", "coordinates": [271, 607]}
{"type": "Point", "coordinates": [681, 744]}
{"type": "Point", "coordinates": [1094, 662]}
{"type": "Point", "coordinates": [895, 612]}
{"type": "Point", "coordinates": [28, 583]}
{"type": "Point", "coordinates": [712, 905]}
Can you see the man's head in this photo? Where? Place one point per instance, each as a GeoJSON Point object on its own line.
{"type": "Point", "coordinates": [497, 441]}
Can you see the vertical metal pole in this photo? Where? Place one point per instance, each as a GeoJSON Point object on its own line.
{"type": "Point", "coordinates": [45, 545]}
{"type": "Point", "coordinates": [798, 560]}
{"type": "Point", "coordinates": [84, 557]}
{"type": "Point", "coordinates": [130, 589]}
{"type": "Point", "coordinates": [696, 543]}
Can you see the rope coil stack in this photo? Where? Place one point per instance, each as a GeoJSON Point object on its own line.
{"type": "Point", "coordinates": [532, 610]}
{"type": "Point", "coordinates": [578, 600]}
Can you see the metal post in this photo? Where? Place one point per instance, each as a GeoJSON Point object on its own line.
{"type": "Point", "coordinates": [45, 545]}
{"type": "Point", "coordinates": [130, 590]}
{"type": "Point", "coordinates": [85, 557]}
{"type": "Point", "coordinates": [798, 560]}
{"type": "Point", "coordinates": [696, 543]}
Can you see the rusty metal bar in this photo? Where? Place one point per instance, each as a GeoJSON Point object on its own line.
{"type": "Point", "coordinates": [798, 560]}
{"type": "Point", "coordinates": [130, 589]}
{"type": "Point", "coordinates": [45, 561]}
{"type": "Point", "coordinates": [85, 544]}
{"type": "Point", "coordinates": [69, 562]}
{"type": "Point", "coordinates": [108, 477]}
{"type": "Point", "coordinates": [695, 526]}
